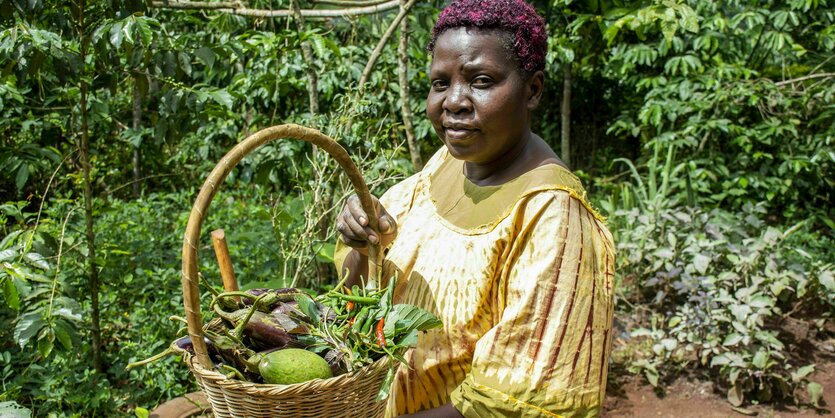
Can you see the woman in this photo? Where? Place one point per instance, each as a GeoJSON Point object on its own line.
{"type": "Point", "coordinates": [494, 236]}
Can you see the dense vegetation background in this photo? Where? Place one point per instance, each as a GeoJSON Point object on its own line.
{"type": "Point", "coordinates": [704, 130]}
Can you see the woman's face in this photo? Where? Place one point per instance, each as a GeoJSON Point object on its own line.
{"type": "Point", "coordinates": [478, 103]}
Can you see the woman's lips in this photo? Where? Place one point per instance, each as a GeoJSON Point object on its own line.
{"type": "Point", "coordinates": [459, 133]}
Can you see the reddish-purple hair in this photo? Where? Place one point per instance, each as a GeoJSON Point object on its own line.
{"type": "Point", "coordinates": [515, 17]}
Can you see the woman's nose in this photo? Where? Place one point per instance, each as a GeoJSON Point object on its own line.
{"type": "Point", "coordinates": [457, 100]}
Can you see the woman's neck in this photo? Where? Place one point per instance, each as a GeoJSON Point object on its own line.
{"type": "Point", "coordinates": [506, 167]}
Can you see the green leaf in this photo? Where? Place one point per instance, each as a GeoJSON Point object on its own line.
{"type": "Point", "coordinates": [64, 333]}
{"type": "Point", "coordinates": [318, 44]}
{"type": "Point", "coordinates": [11, 409]}
{"type": "Point", "coordinates": [760, 359]}
{"type": "Point", "coordinates": [799, 374]}
{"type": "Point", "coordinates": [127, 29]}
{"type": "Point", "coordinates": [116, 35]}
{"type": "Point", "coordinates": [185, 63]}
{"type": "Point", "coordinates": [325, 252]}
{"type": "Point", "coordinates": [674, 321]}
{"type": "Point", "coordinates": [46, 341]}
{"type": "Point", "coordinates": [815, 393]}
{"type": "Point", "coordinates": [408, 340]}
{"type": "Point", "coordinates": [8, 254]}
{"type": "Point", "coordinates": [141, 412]}
{"type": "Point", "coordinates": [387, 297]}
{"type": "Point", "coordinates": [652, 377]}
{"type": "Point", "coordinates": [308, 307]}
{"type": "Point", "coordinates": [732, 339]}
{"type": "Point", "coordinates": [385, 387]}
{"type": "Point", "coordinates": [222, 97]}
{"type": "Point", "coordinates": [701, 263]}
{"type": "Point", "coordinates": [22, 176]}
{"type": "Point", "coordinates": [36, 260]}
{"type": "Point", "coordinates": [735, 395]}
{"type": "Point", "coordinates": [719, 360]}
{"type": "Point", "coordinates": [403, 319]}
{"type": "Point", "coordinates": [145, 32]}
{"type": "Point", "coordinates": [10, 294]}
{"type": "Point", "coordinates": [28, 326]}
{"type": "Point", "coordinates": [827, 279]}
{"type": "Point", "coordinates": [206, 55]}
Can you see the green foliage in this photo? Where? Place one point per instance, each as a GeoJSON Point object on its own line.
{"type": "Point", "coordinates": [719, 284]}
{"type": "Point", "coordinates": [714, 92]}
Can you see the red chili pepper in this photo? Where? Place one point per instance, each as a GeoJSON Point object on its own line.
{"type": "Point", "coordinates": [350, 306]}
{"type": "Point", "coordinates": [381, 337]}
{"type": "Point", "coordinates": [351, 321]}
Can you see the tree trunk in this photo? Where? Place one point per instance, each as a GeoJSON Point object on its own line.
{"type": "Point", "coordinates": [137, 121]}
{"type": "Point", "coordinates": [565, 113]}
{"type": "Point", "coordinates": [322, 269]}
{"type": "Point", "coordinates": [95, 327]}
{"type": "Point", "coordinates": [378, 50]}
{"type": "Point", "coordinates": [403, 73]}
{"type": "Point", "coordinates": [307, 53]}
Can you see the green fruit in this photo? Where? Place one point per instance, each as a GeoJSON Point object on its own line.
{"type": "Point", "coordinates": [293, 365]}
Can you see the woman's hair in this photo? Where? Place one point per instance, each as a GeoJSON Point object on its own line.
{"type": "Point", "coordinates": [514, 17]}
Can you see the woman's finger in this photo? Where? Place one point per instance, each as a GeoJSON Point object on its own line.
{"type": "Point", "coordinates": [355, 207]}
{"type": "Point", "coordinates": [387, 223]}
{"type": "Point", "coordinates": [359, 232]}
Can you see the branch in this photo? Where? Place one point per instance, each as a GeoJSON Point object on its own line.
{"type": "Point", "coordinates": [307, 53]}
{"type": "Point", "coordinates": [403, 78]}
{"type": "Point", "coordinates": [243, 11]}
{"type": "Point", "coordinates": [350, 3]}
{"type": "Point", "coordinates": [804, 78]}
{"type": "Point", "coordinates": [404, 10]}
{"type": "Point", "coordinates": [178, 4]}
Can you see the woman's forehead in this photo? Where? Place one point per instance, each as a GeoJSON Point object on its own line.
{"type": "Point", "coordinates": [472, 47]}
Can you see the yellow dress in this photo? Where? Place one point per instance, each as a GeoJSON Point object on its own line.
{"type": "Point", "coordinates": [522, 277]}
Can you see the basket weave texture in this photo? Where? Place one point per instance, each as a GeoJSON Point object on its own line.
{"type": "Point", "coordinates": [349, 395]}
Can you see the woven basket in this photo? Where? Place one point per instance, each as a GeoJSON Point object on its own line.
{"type": "Point", "coordinates": [349, 395]}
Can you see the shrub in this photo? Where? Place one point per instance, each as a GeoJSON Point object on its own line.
{"type": "Point", "coordinates": [718, 286]}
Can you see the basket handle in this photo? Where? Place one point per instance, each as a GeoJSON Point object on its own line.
{"type": "Point", "coordinates": [191, 292]}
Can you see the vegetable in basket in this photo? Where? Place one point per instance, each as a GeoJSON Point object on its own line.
{"type": "Point", "coordinates": [286, 336]}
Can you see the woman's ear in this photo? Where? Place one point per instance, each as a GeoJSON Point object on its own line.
{"type": "Point", "coordinates": [536, 85]}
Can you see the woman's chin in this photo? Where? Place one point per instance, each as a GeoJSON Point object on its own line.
{"type": "Point", "coordinates": [460, 150]}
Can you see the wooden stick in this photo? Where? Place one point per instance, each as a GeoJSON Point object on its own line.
{"type": "Point", "coordinates": [224, 261]}
{"type": "Point", "coordinates": [245, 11]}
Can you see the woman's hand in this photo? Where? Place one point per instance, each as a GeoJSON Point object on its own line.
{"type": "Point", "coordinates": [352, 224]}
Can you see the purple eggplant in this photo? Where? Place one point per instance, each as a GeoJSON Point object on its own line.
{"type": "Point", "coordinates": [264, 330]}
{"type": "Point", "coordinates": [264, 299]}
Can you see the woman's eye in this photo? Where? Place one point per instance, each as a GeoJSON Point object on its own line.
{"type": "Point", "coordinates": [482, 82]}
{"type": "Point", "coordinates": [439, 84]}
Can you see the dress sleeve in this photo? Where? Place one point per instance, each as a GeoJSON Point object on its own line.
{"type": "Point", "coordinates": [547, 354]}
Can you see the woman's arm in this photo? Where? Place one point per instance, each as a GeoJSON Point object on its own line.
{"type": "Point", "coordinates": [446, 411]}
{"type": "Point", "coordinates": [355, 266]}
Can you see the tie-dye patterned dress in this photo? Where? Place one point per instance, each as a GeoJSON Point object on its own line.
{"type": "Point", "coordinates": [522, 277]}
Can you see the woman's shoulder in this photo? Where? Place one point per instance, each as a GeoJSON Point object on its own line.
{"type": "Point", "coordinates": [561, 200]}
